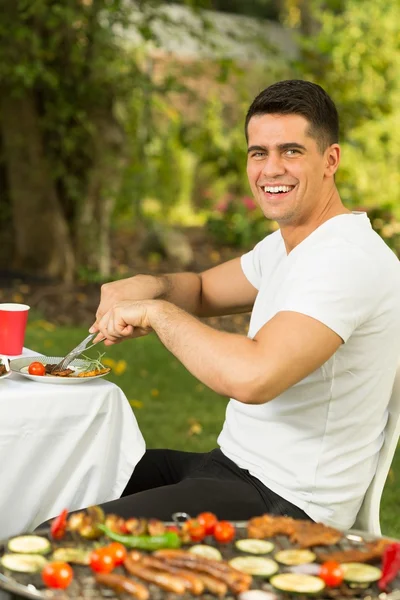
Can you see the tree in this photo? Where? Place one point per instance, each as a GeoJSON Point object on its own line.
{"type": "Point", "coordinates": [59, 80]}
{"type": "Point", "coordinates": [355, 57]}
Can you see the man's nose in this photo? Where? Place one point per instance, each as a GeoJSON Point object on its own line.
{"type": "Point", "coordinates": [273, 166]}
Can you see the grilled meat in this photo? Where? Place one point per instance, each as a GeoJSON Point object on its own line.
{"type": "Point", "coordinates": [372, 551]}
{"type": "Point", "coordinates": [168, 582]}
{"type": "Point", "coordinates": [121, 584]}
{"type": "Point", "coordinates": [268, 526]}
{"type": "Point", "coordinates": [50, 371]}
{"type": "Point", "coordinates": [307, 534]}
{"type": "Point", "coordinates": [304, 533]}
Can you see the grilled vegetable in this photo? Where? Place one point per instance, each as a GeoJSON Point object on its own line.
{"type": "Point", "coordinates": [254, 546]}
{"type": "Point", "coordinates": [296, 583]}
{"type": "Point", "coordinates": [76, 556]}
{"type": "Point", "coordinates": [255, 565]}
{"type": "Point", "coordinates": [23, 563]}
{"type": "Point", "coordinates": [206, 551]}
{"type": "Point", "coordinates": [390, 564]}
{"type": "Point", "coordinates": [89, 528]}
{"type": "Point", "coordinates": [136, 526]}
{"type": "Point", "coordinates": [295, 557]}
{"type": "Point", "coordinates": [332, 573]}
{"type": "Point", "coordinates": [59, 525]}
{"type": "Point", "coordinates": [57, 575]}
{"type": "Point", "coordinates": [360, 573]}
{"type": "Point", "coordinates": [29, 544]}
{"type": "Point", "coordinates": [170, 539]}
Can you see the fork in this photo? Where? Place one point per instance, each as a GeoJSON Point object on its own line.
{"type": "Point", "coordinates": [64, 362]}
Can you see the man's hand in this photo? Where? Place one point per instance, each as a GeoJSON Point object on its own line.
{"type": "Point", "coordinates": [140, 287]}
{"type": "Point", "coordinates": [126, 319]}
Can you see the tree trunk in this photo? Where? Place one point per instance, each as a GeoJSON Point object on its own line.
{"type": "Point", "coordinates": [94, 220]}
{"type": "Point", "coordinates": [42, 241]}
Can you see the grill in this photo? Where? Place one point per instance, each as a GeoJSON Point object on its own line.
{"type": "Point", "coordinates": [18, 585]}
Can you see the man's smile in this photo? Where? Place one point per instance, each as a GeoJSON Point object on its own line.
{"type": "Point", "coordinates": [276, 192]}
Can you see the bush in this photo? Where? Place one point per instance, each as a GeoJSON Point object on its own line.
{"type": "Point", "coordinates": [238, 222]}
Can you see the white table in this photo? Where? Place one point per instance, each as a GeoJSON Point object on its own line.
{"type": "Point", "coordinates": [62, 447]}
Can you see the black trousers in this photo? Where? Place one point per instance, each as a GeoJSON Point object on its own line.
{"type": "Point", "coordinates": [168, 481]}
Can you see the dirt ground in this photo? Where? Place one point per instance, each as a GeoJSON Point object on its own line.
{"type": "Point", "coordinates": [76, 304]}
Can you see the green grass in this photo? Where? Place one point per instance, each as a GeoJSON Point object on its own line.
{"type": "Point", "coordinates": [172, 408]}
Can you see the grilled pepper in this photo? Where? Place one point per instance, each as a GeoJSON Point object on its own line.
{"type": "Point", "coordinates": [170, 539]}
{"type": "Point", "coordinates": [58, 526]}
{"type": "Point", "coordinates": [390, 564]}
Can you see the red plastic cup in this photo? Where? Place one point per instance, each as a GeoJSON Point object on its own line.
{"type": "Point", "coordinates": [13, 320]}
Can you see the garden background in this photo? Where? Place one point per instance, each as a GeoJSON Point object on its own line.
{"type": "Point", "coordinates": [122, 151]}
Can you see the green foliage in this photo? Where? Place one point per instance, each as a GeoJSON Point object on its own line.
{"type": "Point", "coordinates": [238, 222]}
{"type": "Point", "coordinates": [355, 58]}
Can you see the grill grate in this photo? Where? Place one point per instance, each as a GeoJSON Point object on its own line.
{"type": "Point", "coordinates": [84, 586]}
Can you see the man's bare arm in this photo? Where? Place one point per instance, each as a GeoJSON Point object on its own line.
{"type": "Point", "coordinates": [287, 349]}
{"type": "Point", "coordinates": [221, 290]}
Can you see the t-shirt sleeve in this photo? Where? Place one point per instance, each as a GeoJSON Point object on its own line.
{"type": "Point", "coordinates": [335, 285]}
{"type": "Point", "coordinates": [251, 265]}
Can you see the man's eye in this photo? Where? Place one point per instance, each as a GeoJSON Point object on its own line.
{"type": "Point", "coordinates": [292, 151]}
{"type": "Point", "coordinates": [258, 154]}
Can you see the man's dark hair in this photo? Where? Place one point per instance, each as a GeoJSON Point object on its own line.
{"type": "Point", "coordinates": [298, 97]}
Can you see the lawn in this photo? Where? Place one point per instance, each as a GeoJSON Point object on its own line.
{"type": "Point", "coordinates": [172, 408]}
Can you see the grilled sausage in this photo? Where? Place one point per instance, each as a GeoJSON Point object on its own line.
{"type": "Point", "coordinates": [213, 585]}
{"type": "Point", "coordinates": [170, 583]}
{"type": "Point", "coordinates": [122, 584]}
{"type": "Point", "coordinates": [236, 581]}
{"type": "Point", "coordinates": [192, 582]}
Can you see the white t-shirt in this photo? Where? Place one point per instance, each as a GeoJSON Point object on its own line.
{"type": "Point", "coordinates": [317, 443]}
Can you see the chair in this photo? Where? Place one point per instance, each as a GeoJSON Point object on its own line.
{"type": "Point", "coordinates": [368, 515]}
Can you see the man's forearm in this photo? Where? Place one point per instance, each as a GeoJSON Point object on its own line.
{"type": "Point", "coordinates": [181, 289]}
{"type": "Point", "coordinates": [223, 361]}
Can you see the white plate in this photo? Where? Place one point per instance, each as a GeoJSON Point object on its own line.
{"type": "Point", "coordinates": [20, 366]}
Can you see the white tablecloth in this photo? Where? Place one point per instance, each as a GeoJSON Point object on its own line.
{"type": "Point", "coordinates": [62, 446]}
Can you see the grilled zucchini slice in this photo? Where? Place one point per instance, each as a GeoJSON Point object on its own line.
{"type": "Point", "coordinates": [23, 563]}
{"type": "Point", "coordinates": [29, 544]}
{"type": "Point", "coordinates": [297, 583]}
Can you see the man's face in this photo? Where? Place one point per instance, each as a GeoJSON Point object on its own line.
{"type": "Point", "coordinates": [286, 170]}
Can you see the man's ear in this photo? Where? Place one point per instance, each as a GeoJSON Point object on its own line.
{"type": "Point", "coordinates": [332, 156]}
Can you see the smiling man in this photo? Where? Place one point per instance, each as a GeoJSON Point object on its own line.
{"type": "Point", "coordinates": [309, 386]}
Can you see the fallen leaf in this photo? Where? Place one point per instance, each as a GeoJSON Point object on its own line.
{"type": "Point", "coordinates": [155, 393]}
{"type": "Point", "coordinates": [199, 387]}
{"type": "Point", "coordinates": [120, 367]}
{"type": "Point", "coordinates": [195, 427]}
{"type": "Point", "coordinates": [136, 403]}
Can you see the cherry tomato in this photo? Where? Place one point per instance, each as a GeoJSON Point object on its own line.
{"type": "Point", "coordinates": [332, 573]}
{"type": "Point", "coordinates": [224, 532]}
{"type": "Point", "coordinates": [118, 552]}
{"type": "Point", "coordinates": [36, 368]}
{"type": "Point", "coordinates": [209, 520]}
{"type": "Point", "coordinates": [195, 529]}
{"type": "Point", "coordinates": [101, 560]}
{"type": "Point", "coordinates": [57, 575]}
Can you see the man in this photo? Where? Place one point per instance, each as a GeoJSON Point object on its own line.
{"type": "Point", "coordinates": [310, 385]}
